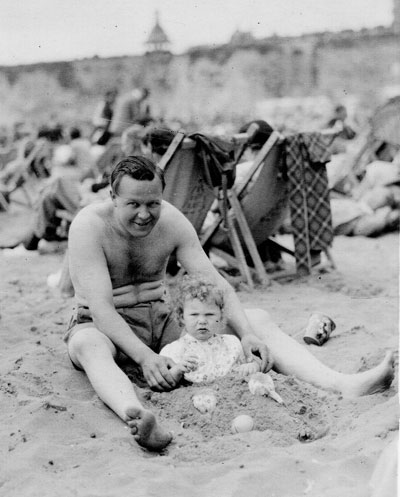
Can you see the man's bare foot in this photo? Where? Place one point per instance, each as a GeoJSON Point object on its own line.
{"type": "Point", "coordinates": [145, 429]}
{"type": "Point", "coordinates": [373, 381]}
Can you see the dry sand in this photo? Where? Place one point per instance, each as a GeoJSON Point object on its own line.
{"type": "Point", "coordinates": [58, 439]}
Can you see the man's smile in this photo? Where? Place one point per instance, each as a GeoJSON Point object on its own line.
{"type": "Point", "coordinates": [142, 223]}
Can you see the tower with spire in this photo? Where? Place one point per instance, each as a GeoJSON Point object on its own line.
{"type": "Point", "coordinates": [157, 41]}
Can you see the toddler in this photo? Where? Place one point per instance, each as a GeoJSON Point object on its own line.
{"type": "Point", "coordinates": [203, 352]}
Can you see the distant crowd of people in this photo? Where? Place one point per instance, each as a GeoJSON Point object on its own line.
{"type": "Point", "coordinates": [67, 170]}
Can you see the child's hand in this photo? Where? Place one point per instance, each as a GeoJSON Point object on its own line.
{"type": "Point", "coordinates": [248, 368]}
{"type": "Point", "coordinates": [189, 363]}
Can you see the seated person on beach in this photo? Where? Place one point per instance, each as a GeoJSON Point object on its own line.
{"type": "Point", "coordinates": [102, 118]}
{"type": "Point", "coordinates": [130, 108]}
{"type": "Point", "coordinates": [118, 254]}
{"type": "Point", "coordinates": [204, 353]}
{"type": "Point", "coordinates": [345, 132]}
{"type": "Point", "coordinates": [374, 205]}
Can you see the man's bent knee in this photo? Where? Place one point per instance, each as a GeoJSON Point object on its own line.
{"type": "Point", "coordinates": [87, 343]}
{"type": "Point", "coordinates": [258, 316]}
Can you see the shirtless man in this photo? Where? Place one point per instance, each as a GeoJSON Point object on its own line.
{"type": "Point", "coordinates": [118, 252]}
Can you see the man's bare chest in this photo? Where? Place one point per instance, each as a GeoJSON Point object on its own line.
{"type": "Point", "coordinates": [136, 262]}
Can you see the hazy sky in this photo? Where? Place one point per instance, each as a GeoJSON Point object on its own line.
{"type": "Point", "coordinates": [50, 30]}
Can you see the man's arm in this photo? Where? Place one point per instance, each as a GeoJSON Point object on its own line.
{"type": "Point", "coordinates": [194, 260]}
{"type": "Point", "coordinates": [91, 279]}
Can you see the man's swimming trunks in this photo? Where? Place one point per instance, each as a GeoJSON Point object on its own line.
{"type": "Point", "coordinates": [152, 322]}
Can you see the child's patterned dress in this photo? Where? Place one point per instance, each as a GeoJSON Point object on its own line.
{"type": "Point", "coordinates": [216, 356]}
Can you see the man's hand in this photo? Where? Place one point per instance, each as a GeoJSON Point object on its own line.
{"type": "Point", "coordinates": [130, 295]}
{"type": "Point", "coordinates": [255, 349]}
{"type": "Point", "coordinates": [156, 371]}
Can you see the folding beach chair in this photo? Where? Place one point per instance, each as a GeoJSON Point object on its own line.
{"type": "Point", "coordinates": [382, 132]}
{"type": "Point", "coordinates": [21, 180]}
{"type": "Point", "coordinates": [266, 199]}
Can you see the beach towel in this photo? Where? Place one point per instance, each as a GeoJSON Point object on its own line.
{"type": "Point", "coordinates": [310, 212]}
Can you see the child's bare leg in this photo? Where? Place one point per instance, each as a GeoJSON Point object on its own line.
{"type": "Point", "coordinates": [95, 353]}
{"type": "Point", "coordinates": [292, 358]}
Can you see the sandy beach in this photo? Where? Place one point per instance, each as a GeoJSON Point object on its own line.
{"type": "Point", "coordinates": [58, 440]}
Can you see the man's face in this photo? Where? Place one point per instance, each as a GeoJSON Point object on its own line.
{"type": "Point", "coordinates": [138, 205]}
{"type": "Point", "coordinates": [202, 320]}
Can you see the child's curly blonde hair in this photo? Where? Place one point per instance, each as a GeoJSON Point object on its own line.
{"type": "Point", "coordinates": [196, 287]}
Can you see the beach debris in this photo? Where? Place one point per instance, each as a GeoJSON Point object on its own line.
{"type": "Point", "coordinates": [262, 384]}
{"type": "Point", "coordinates": [302, 410]}
{"type": "Point", "coordinates": [310, 485]}
{"type": "Point", "coordinates": [53, 279]}
{"type": "Point", "coordinates": [242, 424]}
{"type": "Point", "coordinates": [318, 329]}
{"type": "Point", "coordinates": [305, 435]}
{"type": "Point", "coordinates": [205, 401]}
{"type": "Point", "coordinates": [49, 405]}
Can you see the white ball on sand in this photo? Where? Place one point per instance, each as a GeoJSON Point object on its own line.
{"type": "Point", "coordinates": [242, 424]}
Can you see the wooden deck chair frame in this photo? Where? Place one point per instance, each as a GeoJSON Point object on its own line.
{"type": "Point", "coordinates": [236, 212]}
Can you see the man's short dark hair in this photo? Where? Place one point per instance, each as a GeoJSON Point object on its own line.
{"type": "Point", "coordinates": [137, 167]}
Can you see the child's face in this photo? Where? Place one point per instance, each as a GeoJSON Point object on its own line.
{"type": "Point", "coordinates": [202, 320]}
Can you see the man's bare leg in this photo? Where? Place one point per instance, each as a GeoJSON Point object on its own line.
{"type": "Point", "coordinates": [94, 353]}
{"type": "Point", "coordinates": [291, 358]}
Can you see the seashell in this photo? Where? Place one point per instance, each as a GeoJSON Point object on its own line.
{"type": "Point", "coordinates": [262, 384]}
{"type": "Point", "coordinates": [205, 402]}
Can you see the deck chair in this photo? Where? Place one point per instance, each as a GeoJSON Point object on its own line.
{"type": "Point", "coordinates": [264, 203]}
{"type": "Point", "coordinates": [21, 179]}
{"type": "Point", "coordinates": [382, 130]}
{"type": "Point", "coordinates": [269, 191]}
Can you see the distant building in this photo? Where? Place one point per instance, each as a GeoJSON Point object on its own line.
{"type": "Point", "coordinates": [157, 41]}
{"type": "Point", "coordinates": [242, 38]}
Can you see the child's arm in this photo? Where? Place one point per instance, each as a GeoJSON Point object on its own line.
{"type": "Point", "coordinates": [241, 367]}
{"type": "Point", "coordinates": [183, 363]}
